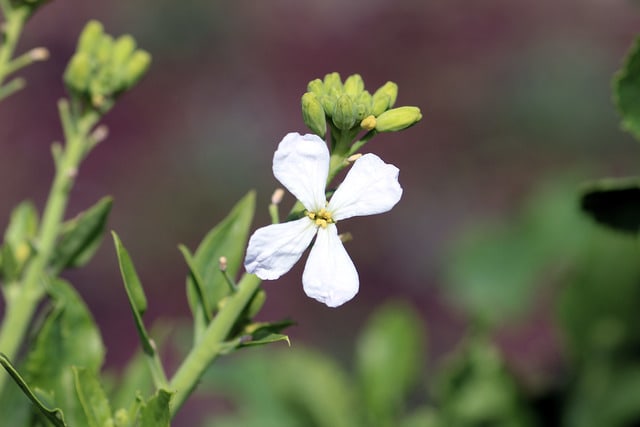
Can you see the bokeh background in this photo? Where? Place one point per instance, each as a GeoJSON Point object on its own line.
{"type": "Point", "coordinates": [512, 92]}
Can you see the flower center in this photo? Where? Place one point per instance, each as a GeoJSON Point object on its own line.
{"type": "Point", "coordinates": [321, 218]}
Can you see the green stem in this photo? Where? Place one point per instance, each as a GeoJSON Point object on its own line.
{"type": "Point", "coordinates": [21, 306]}
{"type": "Point", "coordinates": [15, 20]}
{"type": "Point", "coordinates": [212, 343]}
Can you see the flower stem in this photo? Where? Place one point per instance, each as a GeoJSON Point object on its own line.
{"type": "Point", "coordinates": [212, 342]}
{"type": "Point", "coordinates": [22, 302]}
{"type": "Point", "coordinates": [14, 22]}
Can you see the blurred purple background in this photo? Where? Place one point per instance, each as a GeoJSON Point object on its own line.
{"type": "Point", "coordinates": [510, 92]}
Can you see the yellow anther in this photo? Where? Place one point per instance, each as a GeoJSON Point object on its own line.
{"type": "Point", "coordinates": [311, 215]}
{"type": "Point", "coordinates": [321, 222]}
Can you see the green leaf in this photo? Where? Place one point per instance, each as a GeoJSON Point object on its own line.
{"type": "Point", "coordinates": [626, 90]}
{"type": "Point", "coordinates": [81, 236]}
{"type": "Point", "coordinates": [10, 268]}
{"type": "Point", "coordinates": [155, 412]}
{"type": "Point", "coordinates": [55, 415]}
{"type": "Point", "coordinates": [614, 203]}
{"type": "Point", "coordinates": [228, 239]}
{"type": "Point", "coordinates": [23, 226]}
{"type": "Point", "coordinates": [598, 307]}
{"type": "Point", "coordinates": [390, 359]}
{"type": "Point", "coordinates": [68, 337]}
{"type": "Point", "coordinates": [261, 333]}
{"type": "Point", "coordinates": [92, 397]}
{"type": "Point", "coordinates": [135, 293]}
{"type": "Point", "coordinates": [475, 389]}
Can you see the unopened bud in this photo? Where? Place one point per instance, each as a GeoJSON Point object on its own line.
{"type": "Point", "coordinates": [313, 114]}
{"type": "Point", "coordinates": [78, 72]}
{"type": "Point", "coordinates": [277, 196]}
{"type": "Point", "coordinates": [99, 134]}
{"type": "Point", "coordinates": [391, 90]}
{"type": "Point", "coordinates": [368, 123]}
{"type": "Point", "coordinates": [345, 237]}
{"type": "Point", "coordinates": [222, 262]}
{"type": "Point", "coordinates": [353, 85]}
{"type": "Point", "coordinates": [316, 87]}
{"type": "Point", "coordinates": [39, 54]}
{"type": "Point", "coordinates": [398, 119]}
{"type": "Point", "coordinates": [123, 47]}
{"type": "Point", "coordinates": [90, 37]}
{"type": "Point", "coordinates": [332, 83]}
{"type": "Point", "coordinates": [379, 103]}
{"type": "Point", "coordinates": [137, 67]}
{"type": "Point", "coordinates": [328, 104]}
{"type": "Point", "coordinates": [344, 115]}
{"type": "Point", "coordinates": [104, 51]}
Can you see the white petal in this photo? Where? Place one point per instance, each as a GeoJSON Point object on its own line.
{"type": "Point", "coordinates": [274, 249]}
{"type": "Point", "coordinates": [301, 164]}
{"type": "Point", "coordinates": [330, 276]}
{"type": "Point", "coordinates": [370, 187]}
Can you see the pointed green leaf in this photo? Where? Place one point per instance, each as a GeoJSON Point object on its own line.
{"type": "Point", "coordinates": [197, 283]}
{"type": "Point", "coordinates": [68, 337]}
{"type": "Point", "coordinates": [135, 293]}
{"type": "Point", "coordinates": [266, 339]}
{"type": "Point", "coordinates": [626, 90]}
{"type": "Point", "coordinates": [390, 360]}
{"type": "Point", "coordinates": [81, 236]}
{"type": "Point", "coordinates": [132, 283]}
{"type": "Point", "coordinates": [615, 203]}
{"type": "Point", "coordinates": [55, 415]}
{"type": "Point", "coordinates": [155, 412]}
{"type": "Point", "coordinates": [228, 239]}
{"type": "Point", "coordinates": [92, 397]}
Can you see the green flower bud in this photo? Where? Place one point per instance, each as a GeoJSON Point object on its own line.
{"type": "Point", "coordinates": [398, 119]}
{"type": "Point", "coordinates": [353, 86]}
{"type": "Point", "coordinates": [333, 84]}
{"type": "Point", "coordinates": [391, 90]}
{"type": "Point", "coordinates": [313, 114]}
{"type": "Point", "coordinates": [90, 37]}
{"type": "Point", "coordinates": [123, 48]}
{"type": "Point", "coordinates": [344, 114]}
{"type": "Point", "coordinates": [78, 72]}
{"type": "Point", "coordinates": [104, 50]}
{"type": "Point", "coordinates": [379, 103]}
{"type": "Point", "coordinates": [317, 87]}
{"type": "Point", "coordinates": [328, 104]}
{"type": "Point", "coordinates": [137, 67]}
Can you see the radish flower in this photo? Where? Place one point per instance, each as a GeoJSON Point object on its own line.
{"type": "Point", "coordinates": [301, 164]}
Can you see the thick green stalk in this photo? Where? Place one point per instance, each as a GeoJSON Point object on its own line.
{"type": "Point", "coordinates": [212, 342]}
{"type": "Point", "coordinates": [21, 304]}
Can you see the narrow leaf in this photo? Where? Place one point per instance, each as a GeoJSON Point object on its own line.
{"type": "Point", "coordinates": [92, 397]}
{"type": "Point", "coordinates": [81, 236]}
{"type": "Point", "coordinates": [196, 281]}
{"type": "Point", "coordinates": [390, 359]}
{"type": "Point", "coordinates": [55, 415]}
{"type": "Point", "coordinates": [132, 283]}
{"type": "Point", "coordinates": [228, 239]}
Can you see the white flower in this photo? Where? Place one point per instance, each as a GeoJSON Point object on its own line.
{"type": "Point", "coordinates": [301, 164]}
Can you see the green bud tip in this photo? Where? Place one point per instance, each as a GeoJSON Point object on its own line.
{"type": "Point", "coordinates": [354, 85]}
{"type": "Point", "coordinates": [313, 114]}
{"type": "Point", "coordinates": [397, 119]}
{"type": "Point", "coordinates": [344, 114]}
{"type": "Point", "coordinates": [90, 36]}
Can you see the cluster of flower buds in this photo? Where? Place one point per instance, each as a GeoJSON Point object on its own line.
{"type": "Point", "coordinates": [350, 106]}
{"type": "Point", "coordinates": [104, 67]}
